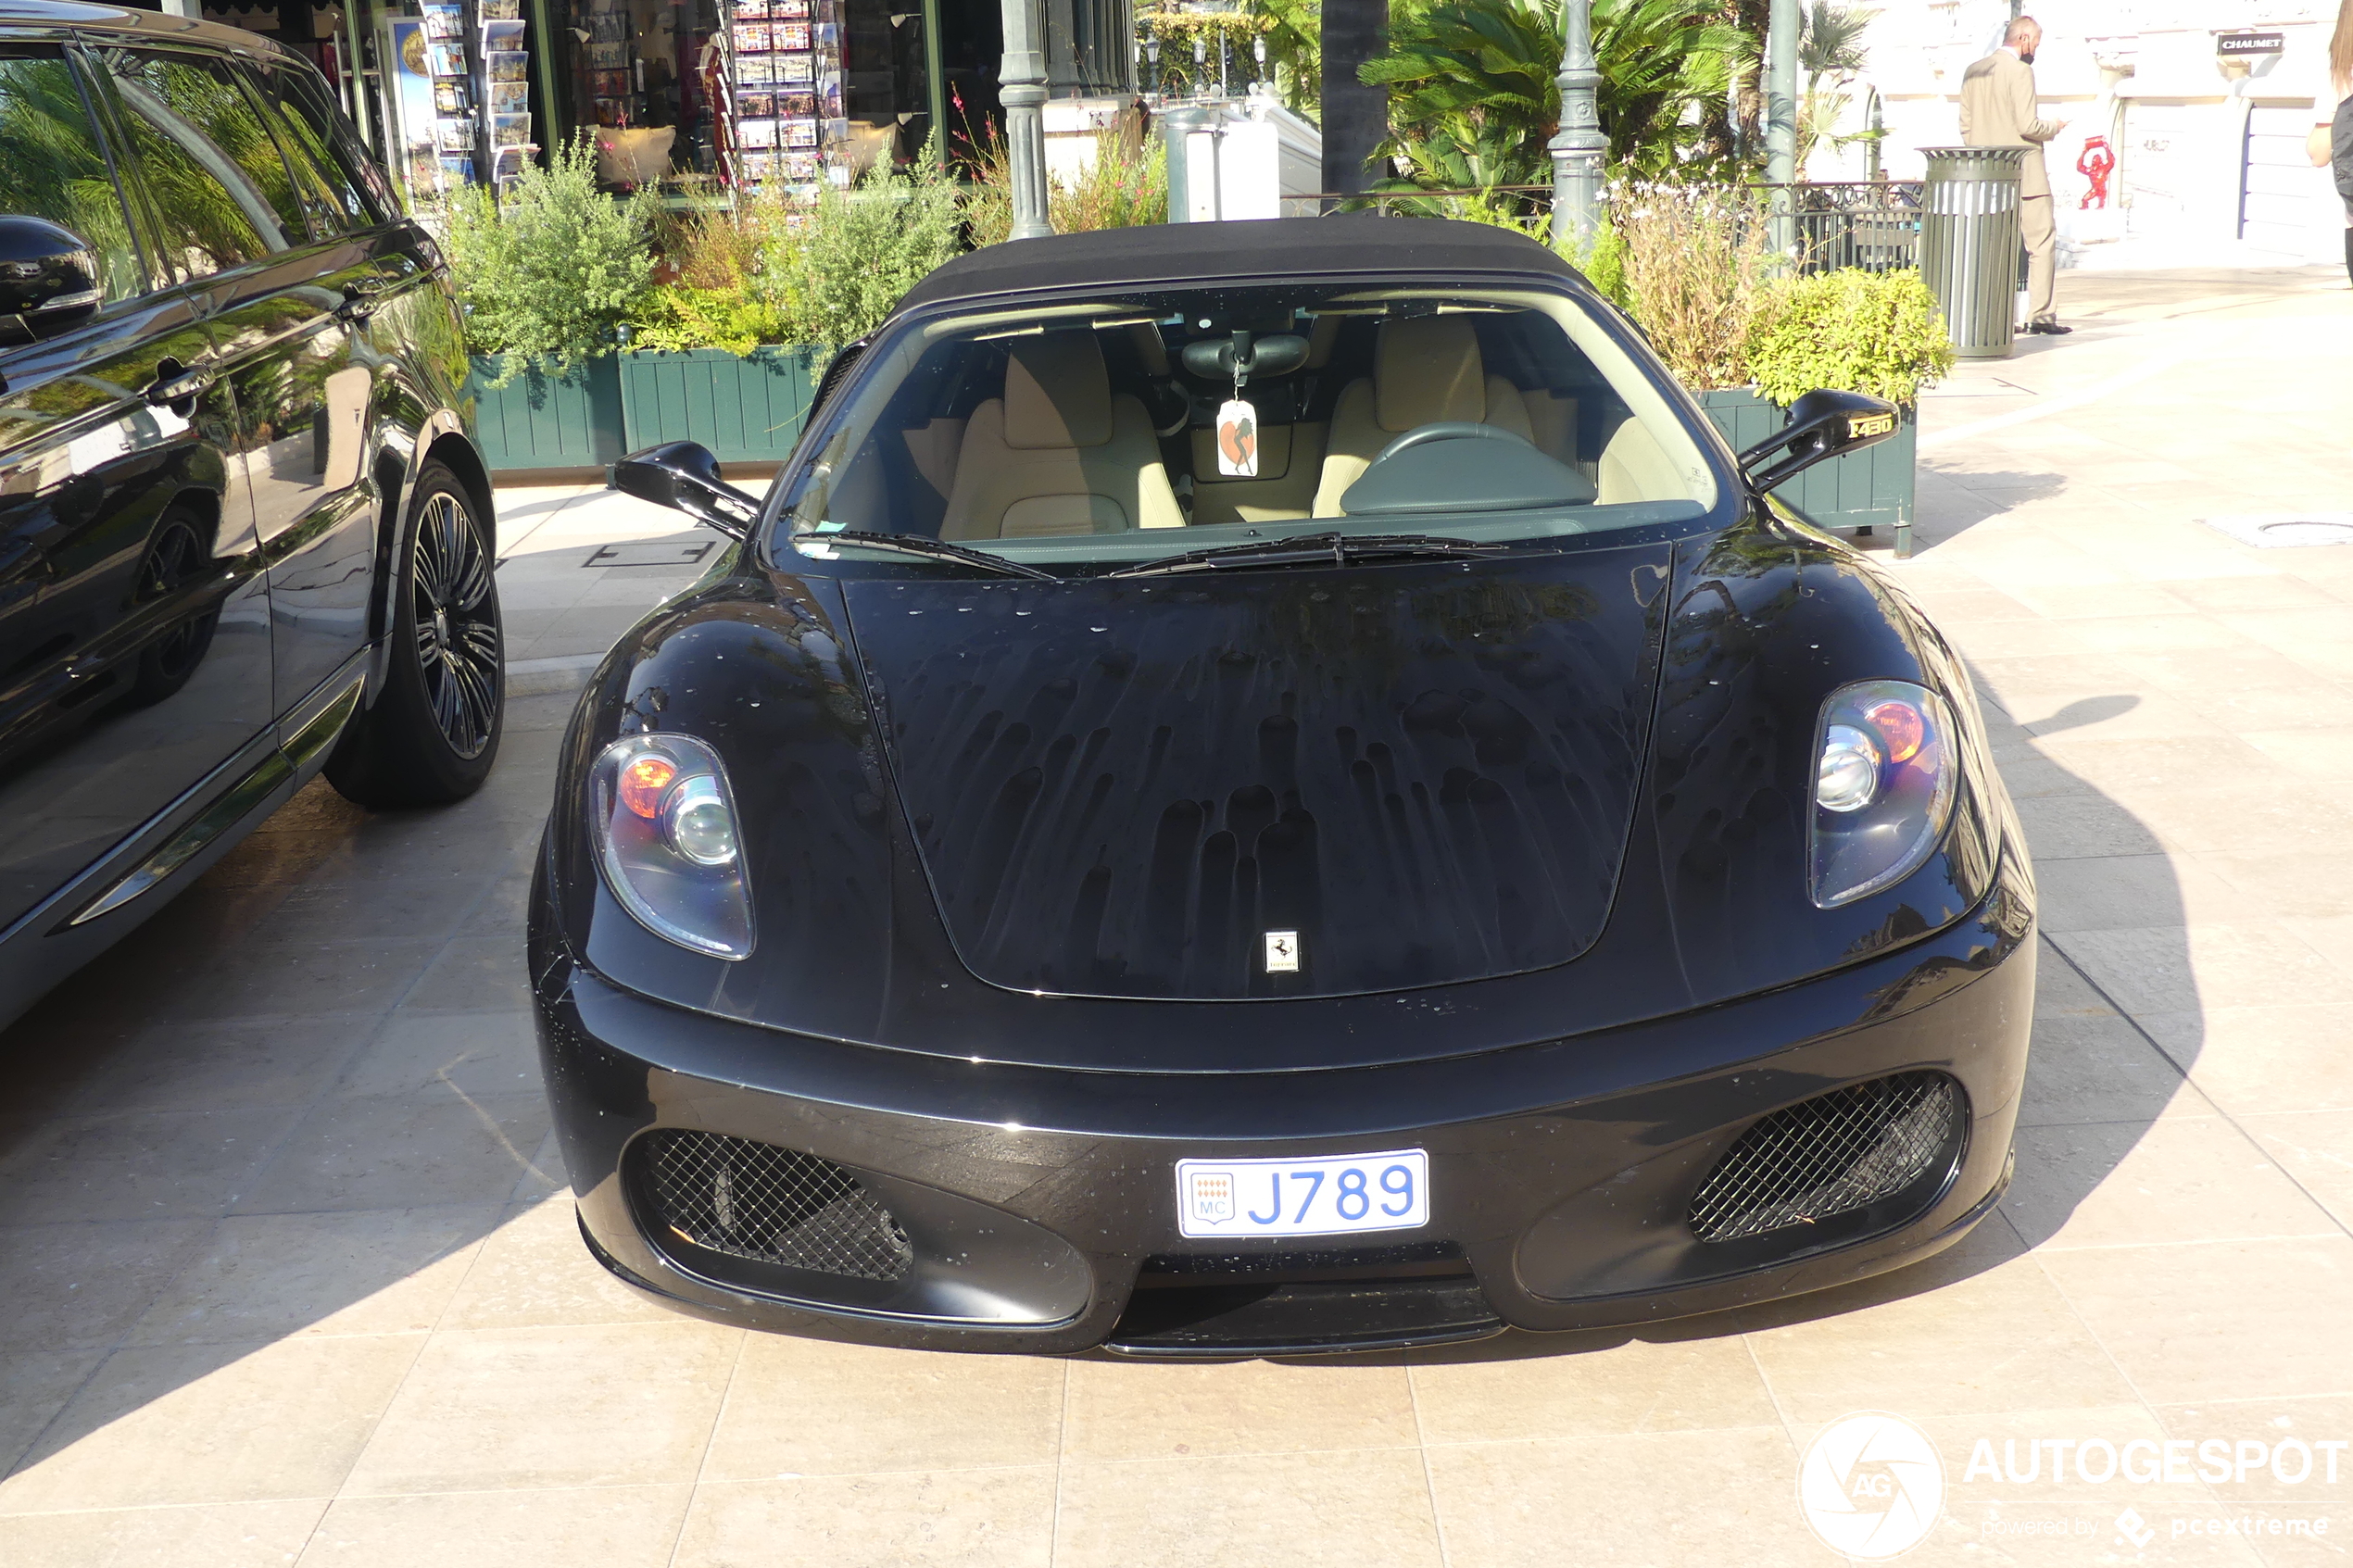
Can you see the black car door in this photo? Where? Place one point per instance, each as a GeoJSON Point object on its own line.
{"type": "Point", "coordinates": [285, 328]}
{"type": "Point", "coordinates": [135, 630]}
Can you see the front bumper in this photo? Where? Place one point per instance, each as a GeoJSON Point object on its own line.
{"type": "Point", "coordinates": [1038, 1206]}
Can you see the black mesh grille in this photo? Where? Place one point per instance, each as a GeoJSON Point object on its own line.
{"type": "Point", "coordinates": [773, 1204]}
{"type": "Point", "coordinates": [1829, 1155]}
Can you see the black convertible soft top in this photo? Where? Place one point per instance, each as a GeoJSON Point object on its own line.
{"type": "Point", "coordinates": [1179, 254]}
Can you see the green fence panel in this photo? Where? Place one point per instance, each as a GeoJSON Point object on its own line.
{"type": "Point", "coordinates": [540, 421]}
{"type": "Point", "coordinates": [746, 409]}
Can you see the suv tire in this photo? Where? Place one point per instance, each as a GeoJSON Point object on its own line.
{"type": "Point", "coordinates": [433, 733]}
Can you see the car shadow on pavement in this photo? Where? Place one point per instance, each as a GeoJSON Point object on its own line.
{"type": "Point", "coordinates": [276, 1120]}
{"type": "Point", "coordinates": [1951, 501]}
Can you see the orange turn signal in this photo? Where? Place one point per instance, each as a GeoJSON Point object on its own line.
{"type": "Point", "coordinates": [644, 780]}
{"type": "Point", "coordinates": [1900, 725]}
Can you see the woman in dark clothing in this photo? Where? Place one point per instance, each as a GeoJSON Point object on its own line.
{"type": "Point", "coordinates": [2330, 140]}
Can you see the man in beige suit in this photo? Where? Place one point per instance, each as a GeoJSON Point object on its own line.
{"type": "Point", "coordinates": [1998, 102]}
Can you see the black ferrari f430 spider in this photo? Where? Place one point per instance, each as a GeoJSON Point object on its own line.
{"type": "Point", "coordinates": [1268, 787]}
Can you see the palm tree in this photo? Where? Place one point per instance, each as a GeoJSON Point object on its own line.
{"type": "Point", "coordinates": [1829, 45]}
{"type": "Point", "coordinates": [1473, 97]}
{"type": "Point", "coordinates": [50, 165]}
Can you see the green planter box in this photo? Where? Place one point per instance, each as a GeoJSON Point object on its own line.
{"type": "Point", "coordinates": [1870, 489]}
{"type": "Point", "coordinates": [546, 421]}
{"type": "Point", "coordinates": [746, 409]}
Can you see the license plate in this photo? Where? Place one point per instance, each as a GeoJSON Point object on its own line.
{"type": "Point", "coordinates": [1338, 1195]}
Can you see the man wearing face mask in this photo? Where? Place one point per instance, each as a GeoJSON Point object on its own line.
{"type": "Point", "coordinates": [1998, 100]}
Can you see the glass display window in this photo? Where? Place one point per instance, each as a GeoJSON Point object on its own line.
{"type": "Point", "coordinates": [643, 75]}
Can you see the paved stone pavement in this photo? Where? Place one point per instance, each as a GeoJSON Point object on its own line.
{"type": "Point", "coordinates": [287, 1273]}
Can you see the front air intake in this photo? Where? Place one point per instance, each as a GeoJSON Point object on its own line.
{"type": "Point", "coordinates": [1833, 1154]}
{"type": "Point", "coordinates": [770, 1205]}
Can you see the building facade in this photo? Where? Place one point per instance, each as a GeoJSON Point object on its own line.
{"type": "Point", "coordinates": [688, 97]}
{"type": "Point", "coordinates": [2187, 121]}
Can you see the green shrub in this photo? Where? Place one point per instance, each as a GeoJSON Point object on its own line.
{"type": "Point", "coordinates": [1849, 330]}
{"type": "Point", "coordinates": [546, 274]}
{"type": "Point", "coordinates": [1603, 261]}
{"type": "Point", "coordinates": [835, 275]}
{"type": "Point", "coordinates": [679, 316]}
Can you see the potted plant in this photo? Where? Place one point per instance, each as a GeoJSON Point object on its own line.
{"type": "Point", "coordinates": [1849, 330]}
{"type": "Point", "coordinates": [546, 276]}
{"type": "Point", "coordinates": [729, 351]}
{"type": "Point", "coordinates": [1689, 264]}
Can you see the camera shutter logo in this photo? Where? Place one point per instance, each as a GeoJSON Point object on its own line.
{"type": "Point", "coordinates": [1871, 1486]}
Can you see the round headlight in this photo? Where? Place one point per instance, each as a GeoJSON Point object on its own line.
{"type": "Point", "coordinates": [697, 823]}
{"type": "Point", "coordinates": [1846, 779]}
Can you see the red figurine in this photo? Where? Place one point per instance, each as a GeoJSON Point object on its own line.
{"type": "Point", "coordinates": [2096, 164]}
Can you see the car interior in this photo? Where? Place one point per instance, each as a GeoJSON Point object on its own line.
{"type": "Point", "coordinates": [1064, 427]}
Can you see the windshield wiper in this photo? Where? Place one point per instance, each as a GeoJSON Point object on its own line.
{"type": "Point", "coordinates": [1339, 549]}
{"type": "Point", "coordinates": [937, 549]}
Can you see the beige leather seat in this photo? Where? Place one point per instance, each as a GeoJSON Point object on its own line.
{"type": "Point", "coordinates": [1057, 454]}
{"type": "Point", "coordinates": [1425, 368]}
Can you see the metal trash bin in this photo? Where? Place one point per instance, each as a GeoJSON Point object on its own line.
{"type": "Point", "coordinates": [1969, 245]}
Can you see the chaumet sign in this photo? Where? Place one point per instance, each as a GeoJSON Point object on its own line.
{"type": "Point", "coordinates": [2229, 44]}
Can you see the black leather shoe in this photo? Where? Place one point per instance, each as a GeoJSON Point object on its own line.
{"type": "Point", "coordinates": [2050, 329]}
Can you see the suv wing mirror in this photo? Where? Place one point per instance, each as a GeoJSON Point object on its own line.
{"type": "Point", "coordinates": [48, 280]}
{"type": "Point", "coordinates": [684, 476]}
{"type": "Point", "coordinates": [1821, 425]}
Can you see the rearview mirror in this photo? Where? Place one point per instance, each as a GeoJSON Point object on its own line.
{"type": "Point", "coordinates": [1276, 353]}
{"type": "Point", "coordinates": [48, 278]}
{"type": "Point", "coordinates": [684, 476]}
{"type": "Point", "coordinates": [1821, 425]}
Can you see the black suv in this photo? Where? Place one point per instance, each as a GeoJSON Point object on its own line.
{"type": "Point", "coordinates": [243, 532]}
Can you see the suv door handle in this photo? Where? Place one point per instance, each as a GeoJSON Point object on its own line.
{"type": "Point", "coordinates": [362, 297]}
{"type": "Point", "coordinates": [176, 383]}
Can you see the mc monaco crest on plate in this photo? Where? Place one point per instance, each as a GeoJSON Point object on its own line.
{"type": "Point", "coordinates": [1211, 1192]}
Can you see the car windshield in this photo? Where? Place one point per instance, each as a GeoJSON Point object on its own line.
{"type": "Point", "coordinates": [1129, 431]}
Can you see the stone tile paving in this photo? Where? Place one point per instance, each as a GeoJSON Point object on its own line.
{"type": "Point", "coordinates": [289, 1273]}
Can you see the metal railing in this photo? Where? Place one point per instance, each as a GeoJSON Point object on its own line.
{"type": "Point", "coordinates": [1870, 224]}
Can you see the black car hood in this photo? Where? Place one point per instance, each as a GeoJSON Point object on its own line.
{"type": "Point", "coordinates": [1120, 788]}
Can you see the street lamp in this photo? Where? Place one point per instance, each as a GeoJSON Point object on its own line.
{"type": "Point", "coordinates": [1258, 52]}
{"type": "Point", "coordinates": [1152, 52]}
{"type": "Point", "coordinates": [1578, 147]}
{"type": "Point", "coordinates": [1780, 121]}
{"type": "Point", "coordinates": [1201, 64]}
{"type": "Point", "coordinates": [1023, 92]}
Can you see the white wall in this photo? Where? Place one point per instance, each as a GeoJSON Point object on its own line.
{"type": "Point", "coordinates": [2145, 74]}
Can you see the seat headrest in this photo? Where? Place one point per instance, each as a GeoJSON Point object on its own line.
{"type": "Point", "coordinates": [1057, 393]}
{"type": "Point", "coordinates": [1427, 369]}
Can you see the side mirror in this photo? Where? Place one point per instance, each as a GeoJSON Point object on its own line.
{"type": "Point", "coordinates": [48, 280]}
{"type": "Point", "coordinates": [1821, 424]}
{"type": "Point", "coordinates": [684, 476]}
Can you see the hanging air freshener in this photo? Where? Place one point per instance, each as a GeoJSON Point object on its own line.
{"type": "Point", "coordinates": [1237, 440]}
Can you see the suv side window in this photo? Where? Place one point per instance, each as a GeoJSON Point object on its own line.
{"type": "Point", "coordinates": [323, 152]}
{"type": "Point", "coordinates": [52, 165]}
{"type": "Point", "coordinates": [219, 187]}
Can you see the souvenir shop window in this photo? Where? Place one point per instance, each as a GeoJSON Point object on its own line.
{"type": "Point", "coordinates": [822, 91]}
{"type": "Point", "coordinates": [638, 77]}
